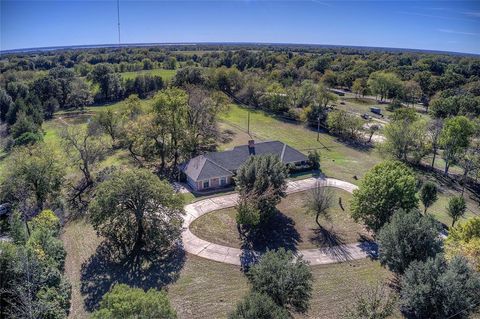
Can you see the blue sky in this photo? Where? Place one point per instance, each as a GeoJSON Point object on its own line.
{"type": "Point", "coordinates": [435, 25]}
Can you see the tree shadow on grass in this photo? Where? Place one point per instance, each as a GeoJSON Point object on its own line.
{"type": "Point", "coordinates": [331, 243]}
{"type": "Point", "coordinates": [278, 232]}
{"type": "Point", "coordinates": [369, 246]}
{"type": "Point", "coordinates": [105, 269]}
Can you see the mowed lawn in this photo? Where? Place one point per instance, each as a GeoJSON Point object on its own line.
{"type": "Point", "coordinates": [208, 289]}
{"type": "Point", "coordinates": [293, 226]}
{"type": "Point", "coordinates": [338, 159]}
{"type": "Point", "coordinates": [166, 75]}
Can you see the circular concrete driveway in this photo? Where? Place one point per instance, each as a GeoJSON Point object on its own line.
{"type": "Point", "coordinates": [199, 247]}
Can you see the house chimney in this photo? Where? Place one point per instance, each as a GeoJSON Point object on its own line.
{"type": "Point", "coordinates": [251, 147]}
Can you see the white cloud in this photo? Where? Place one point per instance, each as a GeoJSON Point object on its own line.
{"type": "Point", "coordinates": [475, 14]}
{"type": "Point", "coordinates": [458, 32]}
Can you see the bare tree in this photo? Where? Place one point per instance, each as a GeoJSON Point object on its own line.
{"type": "Point", "coordinates": [202, 129]}
{"type": "Point", "coordinates": [85, 148]}
{"type": "Point", "coordinates": [319, 201]}
{"type": "Point", "coordinates": [373, 302]}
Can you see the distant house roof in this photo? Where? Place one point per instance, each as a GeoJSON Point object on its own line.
{"type": "Point", "coordinates": [217, 164]}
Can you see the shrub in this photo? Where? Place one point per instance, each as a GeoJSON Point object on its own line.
{"type": "Point", "coordinates": [46, 219]}
{"type": "Point", "coordinates": [258, 306]}
{"type": "Point", "coordinates": [125, 302]}
{"type": "Point", "coordinates": [314, 159]}
{"type": "Point", "coordinates": [372, 303]}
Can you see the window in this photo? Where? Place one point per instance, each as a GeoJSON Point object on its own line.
{"type": "Point", "coordinates": [223, 181]}
{"type": "Point", "coordinates": [206, 184]}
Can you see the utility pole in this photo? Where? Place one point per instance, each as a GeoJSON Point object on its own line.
{"type": "Point", "coordinates": [118, 20]}
{"type": "Point", "coordinates": [248, 122]}
{"type": "Point", "coordinates": [318, 128]}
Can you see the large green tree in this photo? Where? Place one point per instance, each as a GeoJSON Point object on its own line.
{"type": "Point", "coordinates": [437, 289]}
{"type": "Point", "coordinates": [388, 186]}
{"type": "Point", "coordinates": [384, 84]}
{"type": "Point", "coordinates": [262, 179]}
{"type": "Point", "coordinates": [284, 278]}
{"type": "Point", "coordinates": [138, 212]}
{"type": "Point", "coordinates": [406, 136]}
{"type": "Point", "coordinates": [407, 237]}
{"type": "Point", "coordinates": [455, 139]}
{"type": "Point", "coordinates": [170, 108]}
{"type": "Point", "coordinates": [32, 176]}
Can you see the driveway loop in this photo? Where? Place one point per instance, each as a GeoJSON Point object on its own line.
{"type": "Point", "coordinates": [229, 255]}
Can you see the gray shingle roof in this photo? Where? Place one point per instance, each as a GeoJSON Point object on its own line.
{"type": "Point", "coordinates": [217, 164]}
{"type": "Point", "coordinates": [200, 168]}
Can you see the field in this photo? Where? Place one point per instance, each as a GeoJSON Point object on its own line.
{"type": "Point", "coordinates": [339, 160]}
{"type": "Point", "coordinates": [292, 227]}
{"type": "Point", "coordinates": [207, 289]}
{"type": "Point", "coordinates": [166, 75]}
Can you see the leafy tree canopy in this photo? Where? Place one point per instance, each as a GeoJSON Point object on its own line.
{"type": "Point", "coordinates": [137, 211]}
{"type": "Point", "coordinates": [286, 280]}
{"type": "Point", "coordinates": [388, 186]}
{"type": "Point", "coordinates": [407, 237]}
{"type": "Point", "coordinates": [437, 289]}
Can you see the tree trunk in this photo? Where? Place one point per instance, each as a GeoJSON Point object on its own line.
{"type": "Point", "coordinates": [370, 138]}
{"type": "Point", "coordinates": [433, 159]}
{"type": "Point", "coordinates": [316, 220]}
{"type": "Point", "coordinates": [139, 240]}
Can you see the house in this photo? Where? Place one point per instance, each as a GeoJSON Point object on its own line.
{"type": "Point", "coordinates": [216, 169]}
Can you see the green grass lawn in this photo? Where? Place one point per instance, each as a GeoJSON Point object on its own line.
{"type": "Point", "coordinates": [166, 75]}
{"type": "Point", "coordinates": [337, 159]}
{"type": "Point", "coordinates": [294, 226]}
{"type": "Point", "coordinates": [208, 289]}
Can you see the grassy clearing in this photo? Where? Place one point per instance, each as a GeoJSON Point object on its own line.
{"type": "Point", "coordinates": [293, 227]}
{"type": "Point", "coordinates": [207, 289]}
{"type": "Point", "coordinates": [338, 159]}
{"type": "Point", "coordinates": [80, 242]}
{"type": "Point", "coordinates": [166, 75]}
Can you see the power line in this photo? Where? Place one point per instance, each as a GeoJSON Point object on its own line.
{"type": "Point", "coordinates": [463, 310]}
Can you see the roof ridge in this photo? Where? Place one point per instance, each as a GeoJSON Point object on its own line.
{"type": "Point", "coordinates": [283, 151]}
{"type": "Point", "coordinates": [215, 163]}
